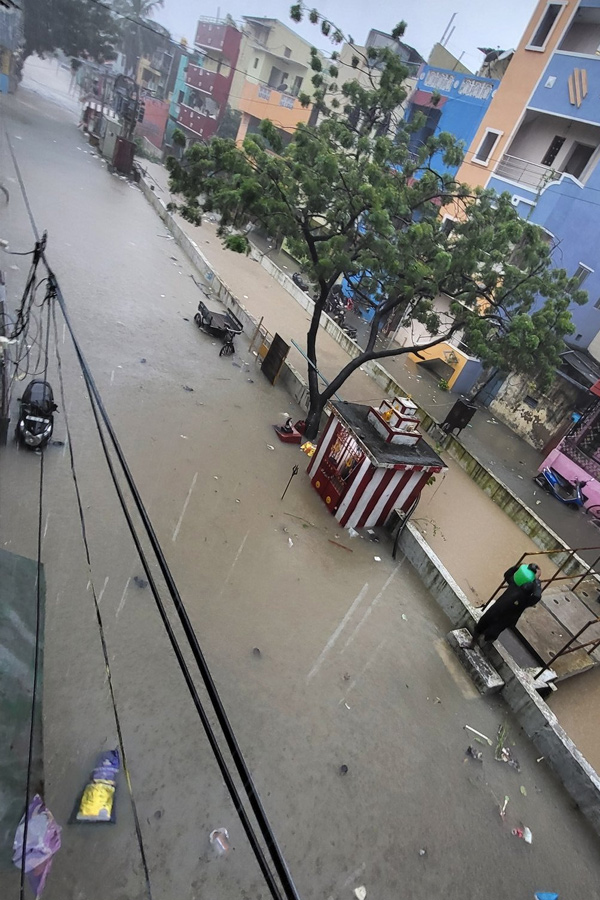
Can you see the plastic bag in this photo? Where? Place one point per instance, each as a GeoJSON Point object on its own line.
{"type": "Point", "coordinates": [97, 801]}
{"type": "Point", "coordinates": [43, 840]}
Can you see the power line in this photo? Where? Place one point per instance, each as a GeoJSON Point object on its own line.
{"type": "Point", "coordinates": [36, 655]}
{"type": "Point", "coordinates": [289, 888]}
{"type": "Point", "coordinates": [175, 644]}
{"type": "Point", "coordinates": [99, 620]}
{"type": "Point", "coordinates": [239, 761]}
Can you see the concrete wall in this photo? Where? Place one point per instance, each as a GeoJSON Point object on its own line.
{"type": "Point", "coordinates": [538, 424]}
{"type": "Point", "coordinates": [535, 717]}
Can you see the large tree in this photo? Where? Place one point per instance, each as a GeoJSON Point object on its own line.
{"type": "Point", "coordinates": [352, 199]}
{"type": "Point", "coordinates": [77, 27]}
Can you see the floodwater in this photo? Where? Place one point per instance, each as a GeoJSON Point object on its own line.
{"type": "Point", "coordinates": [475, 540]}
{"type": "Point", "coordinates": [353, 667]}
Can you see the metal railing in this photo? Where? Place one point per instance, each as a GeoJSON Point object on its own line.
{"type": "Point", "coordinates": [524, 172]}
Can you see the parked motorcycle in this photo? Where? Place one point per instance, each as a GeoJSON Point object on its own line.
{"type": "Point", "coordinates": [567, 492]}
{"type": "Point", "coordinates": [36, 414]}
{"type": "Point", "coordinates": [300, 282]}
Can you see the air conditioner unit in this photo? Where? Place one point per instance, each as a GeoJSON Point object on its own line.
{"type": "Point", "coordinates": [515, 200]}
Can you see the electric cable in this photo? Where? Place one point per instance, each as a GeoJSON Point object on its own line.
{"type": "Point", "coordinates": [180, 657]}
{"type": "Point", "coordinates": [265, 827]}
{"type": "Point", "coordinates": [240, 763]}
{"type": "Point", "coordinates": [36, 655]}
{"type": "Point", "coordinates": [99, 620]}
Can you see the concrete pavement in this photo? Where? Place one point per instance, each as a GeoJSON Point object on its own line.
{"type": "Point", "coordinates": [353, 657]}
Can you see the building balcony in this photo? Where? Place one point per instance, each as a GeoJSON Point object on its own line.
{"type": "Point", "coordinates": [200, 123]}
{"type": "Point", "coordinates": [521, 171]}
{"type": "Point", "coordinates": [546, 148]}
{"type": "Point", "coordinates": [262, 102]}
{"type": "Point", "coordinates": [202, 79]}
{"type": "Point", "coordinates": [212, 34]}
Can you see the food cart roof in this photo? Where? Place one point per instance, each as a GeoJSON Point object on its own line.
{"type": "Point", "coordinates": [354, 416]}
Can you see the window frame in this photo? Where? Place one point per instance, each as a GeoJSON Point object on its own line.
{"type": "Point", "coordinates": [586, 271]}
{"type": "Point", "coordinates": [488, 131]}
{"type": "Point", "coordinates": [536, 48]}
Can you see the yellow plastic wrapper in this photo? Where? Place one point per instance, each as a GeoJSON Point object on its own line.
{"type": "Point", "coordinates": [96, 803]}
{"type": "Point", "coordinates": [308, 448]}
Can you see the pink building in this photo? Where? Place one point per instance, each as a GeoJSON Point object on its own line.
{"type": "Point", "coordinates": [154, 122]}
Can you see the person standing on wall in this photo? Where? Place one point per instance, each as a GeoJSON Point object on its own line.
{"type": "Point", "coordinates": [524, 591]}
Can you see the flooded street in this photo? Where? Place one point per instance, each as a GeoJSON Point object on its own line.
{"type": "Point", "coordinates": [352, 669]}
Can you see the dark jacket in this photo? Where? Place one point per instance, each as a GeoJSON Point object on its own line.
{"type": "Point", "coordinates": [507, 609]}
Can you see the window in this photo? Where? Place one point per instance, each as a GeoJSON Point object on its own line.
{"type": "Point", "coordinates": [256, 62]}
{"type": "Point", "coordinates": [287, 52]}
{"type": "Point", "coordinates": [181, 96]}
{"type": "Point", "coordinates": [553, 150]}
{"type": "Point", "coordinates": [448, 225]}
{"type": "Point", "coordinates": [597, 304]}
{"type": "Point", "coordinates": [544, 27]}
{"type": "Point", "coordinates": [581, 273]}
{"type": "Point", "coordinates": [484, 151]}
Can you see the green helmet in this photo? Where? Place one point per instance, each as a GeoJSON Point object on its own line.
{"type": "Point", "coordinates": [524, 575]}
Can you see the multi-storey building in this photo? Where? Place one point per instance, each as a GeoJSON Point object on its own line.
{"type": "Point", "coordinates": [274, 68]}
{"type": "Point", "coordinates": [258, 67]}
{"type": "Point", "coordinates": [540, 142]}
{"type": "Point", "coordinates": [450, 101]}
{"type": "Point", "coordinates": [201, 101]}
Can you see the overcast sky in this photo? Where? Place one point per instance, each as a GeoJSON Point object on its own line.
{"type": "Point", "coordinates": [479, 23]}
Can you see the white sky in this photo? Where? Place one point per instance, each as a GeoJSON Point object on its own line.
{"type": "Point", "coordinates": [479, 23]}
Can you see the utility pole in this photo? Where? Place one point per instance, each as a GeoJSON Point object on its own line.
{"type": "Point", "coordinates": [4, 376]}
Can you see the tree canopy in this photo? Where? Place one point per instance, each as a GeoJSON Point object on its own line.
{"type": "Point", "coordinates": [352, 199]}
{"type": "Point", "coordinates": [78, 27]}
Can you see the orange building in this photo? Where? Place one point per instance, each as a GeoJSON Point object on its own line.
{"type": "Point", "coordinates": [545, 32]}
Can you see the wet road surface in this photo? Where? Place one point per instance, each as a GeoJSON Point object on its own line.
{"type": "Point", "coordinates": [352, 659]}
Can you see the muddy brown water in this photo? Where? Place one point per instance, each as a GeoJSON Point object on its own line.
{"type": "Point", "coordinates": [353, 658]}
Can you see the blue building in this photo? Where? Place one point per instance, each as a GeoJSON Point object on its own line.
{"type": "Point", "coordinates": [182, 93]}
{"type": "Point", "coordinates": [464, 100]}
{"type": "Point", "coordinates": [540, 142]}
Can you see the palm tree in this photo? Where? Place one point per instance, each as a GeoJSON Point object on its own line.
{"type": "Point", "coordinates": [138, 32]}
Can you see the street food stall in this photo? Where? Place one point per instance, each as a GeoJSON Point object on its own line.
{"type": "Point", "coordinates": [371, 461]}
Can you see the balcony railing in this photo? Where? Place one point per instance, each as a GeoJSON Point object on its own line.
{"type": "Point", "coordinates": [533, 175]}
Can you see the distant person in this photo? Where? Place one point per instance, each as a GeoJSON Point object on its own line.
{"type": "Point", "coordinates": [524, 591]}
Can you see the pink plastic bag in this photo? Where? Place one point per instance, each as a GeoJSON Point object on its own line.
{"type": "Point", "coordinates": [43, 840]}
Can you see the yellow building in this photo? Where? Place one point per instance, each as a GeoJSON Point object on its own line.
{"type": "Point", "coordinates": [272, 70]}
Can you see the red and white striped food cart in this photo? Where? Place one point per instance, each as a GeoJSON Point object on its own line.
{"type": "Point", "coordinates": [370, 461]}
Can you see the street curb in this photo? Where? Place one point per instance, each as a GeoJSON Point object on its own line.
{"type": "Point", "coordinates": [535, 717]}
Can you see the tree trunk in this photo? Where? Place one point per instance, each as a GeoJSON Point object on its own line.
{"type": "Point", "coordinates": [313, 419]}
